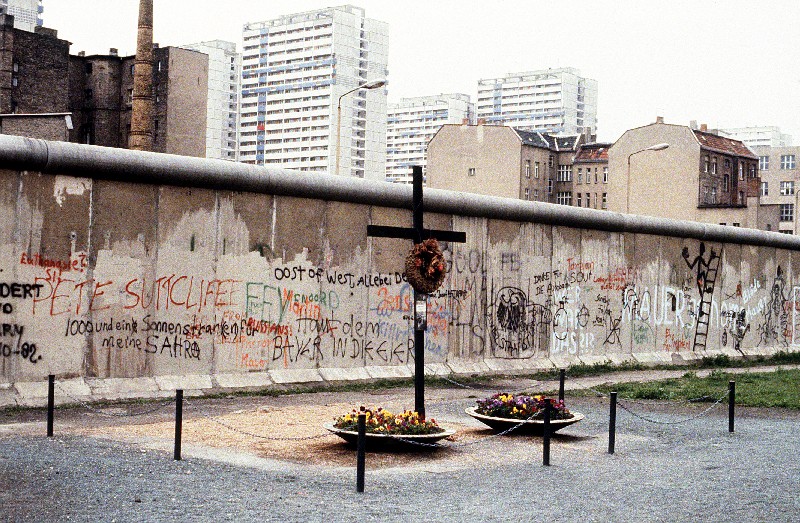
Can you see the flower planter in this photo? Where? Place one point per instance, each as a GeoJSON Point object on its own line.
{"type": "Point", "coordinates": [533, 427]}
{"type": "Point", "coordinates": [391, 441]}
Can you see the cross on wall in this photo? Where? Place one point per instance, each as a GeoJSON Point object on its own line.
{"type": "Point", "coordinates": [417, 233]}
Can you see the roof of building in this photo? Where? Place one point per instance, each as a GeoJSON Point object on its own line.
{"type": "Point", "coordinates": [593, 152]}
{"type": "Point", "coordinates": [548, 141]}
{"type": "Point", "coordinates": [723, 144]}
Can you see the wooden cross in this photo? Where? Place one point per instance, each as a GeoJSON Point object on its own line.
{"type": "Point", "coordinates": [417, 233]}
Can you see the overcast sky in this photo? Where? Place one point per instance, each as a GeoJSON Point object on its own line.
{"type": "Point", "coordinates": [726, 63]}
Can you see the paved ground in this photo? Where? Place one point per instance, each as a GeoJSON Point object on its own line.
{"type": "Point", "coordinates": [120, 468]}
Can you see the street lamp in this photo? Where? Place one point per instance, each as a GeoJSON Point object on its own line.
{"type": "Point", "coordinates": [656, 147]}
{"type": "Point", "coordinates": [373, 84]}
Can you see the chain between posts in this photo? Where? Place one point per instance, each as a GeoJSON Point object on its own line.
{"type": "Point", "coordinates": [686, 420]}
{"type": "Point", "coordinates": [100, 412]}
{"type": "Point", "coordinates": [258, 436]}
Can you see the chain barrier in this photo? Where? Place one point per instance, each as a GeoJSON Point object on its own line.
{"type": "Point", "coordinates": [253, 435]}
{"type": "Point", "coordinates": [599, 394]}
{"type": "Point", "coordinates": [685, 420]}
{"type": "Point", "coordinates": [100, 412]}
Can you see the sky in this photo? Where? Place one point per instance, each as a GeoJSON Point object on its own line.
{"type": "Point", "coordinates": [725, 63]}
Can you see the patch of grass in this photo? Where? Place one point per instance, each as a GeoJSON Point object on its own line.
{"type": "Point", "coordinates": [755, 389]}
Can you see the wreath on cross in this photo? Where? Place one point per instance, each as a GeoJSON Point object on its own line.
{"type": "Point", "coordinates": [425, 266]}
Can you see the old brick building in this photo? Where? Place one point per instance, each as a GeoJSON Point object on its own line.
{"type": "Point", "coordinates": [38, 75]}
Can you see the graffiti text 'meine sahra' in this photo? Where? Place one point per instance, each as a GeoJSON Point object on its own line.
{"type": "Point", "coordinates": [60, 295]}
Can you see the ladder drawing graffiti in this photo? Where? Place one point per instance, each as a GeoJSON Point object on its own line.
{"type": "Point", "coordinates": [706, 278]}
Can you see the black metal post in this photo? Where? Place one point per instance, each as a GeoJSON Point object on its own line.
{"type": "Point", "coordinates": [419, 333]}
{"type": "Point", "coordinates": [178, 423]}
{"type": "Point", "coordinates": [361, 452]}
{"type": "Point", "coordinates": [731, 403]}
{"type": "Point", "coordinates": [51, 403]}
{"type": "Point", "coordinates": [546, 437]}
{"type": "Point", "coordinates": [561, 375]}
{"type": "Point", "coordinates": [612, 423]}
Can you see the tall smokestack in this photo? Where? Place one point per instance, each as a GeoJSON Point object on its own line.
{"type": "Point", "coordinates": [141, 137]}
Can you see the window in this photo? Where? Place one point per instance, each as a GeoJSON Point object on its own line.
{"type": "Point", "coordinates": [726, 182]}
{"type": "Point", "coordinates": [536, 170]}
{"type": "Point", "coordinates": [714, 165]}
{"type": "Point", "coordinates": [87, 94]}
{"type": "Point", "coordinates": [706, 163]}
{"type": "Point", "coordinates": [737, 224]}
{"type": "Point", "coordinates": [605, 174]}
{"type": "Point", "coordinates": [550, 161]}
{"type": "Point", "coordinates": [564, 173]}
{"type": "Point", "coordinates": [741, 171]}
{"type": "Point", "coordinates": [710, 195]}
{"type": "Point", "coordinates": [595, 175]}
{"type": "Point", "coordinates": [764, 189]}
{"type": "Point", "coordinates": [536, 194]}
{"type": "Point", "coordinates": [88, 67]}
{"type": "Point", "coordinates": [787, 212]}
{"type": "Point", "coordinates": [763, 163]}
{"type": "Point", "coordinates": [580, 175]}
{"type": "Point", "coordinates": [578, 200]}
{"type": "Point", "coordinates": [742, 198]}
{"type": "Point", "coordinates": [527, 169]}
{"type": "Point", "coordinates": [787, 161]}
{"type": "Point", "coordinates": [471, 171]}
{"type": "Point", "coordinates": [787, 188]}
{"type": "Point", "coordinates": [564, 198]}
{"type": "Point", "coordinates": [588, 199]}
{"type": "Point", "coordinates": [527, 193]}
{"type": "Point", "coordinates": [550, 186]}
{"type": "Point", "coordinates": [604, 205]}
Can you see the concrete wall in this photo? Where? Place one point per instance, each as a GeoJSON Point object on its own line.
{"type": "Point", "coordinates": [132, 274]}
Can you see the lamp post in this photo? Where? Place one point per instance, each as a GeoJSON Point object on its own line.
{"type": "Point", "coordinates": [656, 147]}
{"type": "Point", "coordinates": [373, 84]}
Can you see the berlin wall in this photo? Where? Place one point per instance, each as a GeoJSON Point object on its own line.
{"type": "Point", "coordinates": [131, 274]}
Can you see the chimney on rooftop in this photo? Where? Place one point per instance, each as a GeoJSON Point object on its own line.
{"type": "Point", "coordinates": [659, 119]}
{"type": "Point", "coordinates": [703, 127]}
{"type": "Point", "coordinates": [481, 121]}
{"type": "Point", "coordinates": [113, 51]}
{"type": "Point", "coordinates": [693, 125]}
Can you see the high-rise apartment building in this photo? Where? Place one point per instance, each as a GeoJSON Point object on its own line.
{"type": "Point", "coordinates": [761, 136]}
{"type": "Point", "coordinates": [412, 122]}
{"type": "Point", "coordinates": [296, 69]}
{"type": "Point", "coordinates": [27, 13]}
{"type": "Point", "coordinates": [557, 101]}
{"type": "Point", "coordinates": [222, 116]}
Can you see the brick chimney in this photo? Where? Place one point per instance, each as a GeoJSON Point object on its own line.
{"type": "Point", "coordinates": [141, 137]}
{"type": "Point", "coordinates": [704, 127]}
{"type": "Point", "coordinates": [659, 119]}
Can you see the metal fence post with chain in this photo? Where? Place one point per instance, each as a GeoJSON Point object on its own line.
{"type": "Point", "coordinates": [51, 403]}
{"type": "Point", "coordinates": [178, 423]}
{"type": "Point", "coordinates": [361, 452]}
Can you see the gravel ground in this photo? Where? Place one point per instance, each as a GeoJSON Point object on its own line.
{"type": "Point", "coordinates": [101, 468]}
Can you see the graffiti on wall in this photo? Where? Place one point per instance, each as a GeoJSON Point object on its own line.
{"type": "Point", "coordinates": [297, 315]}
